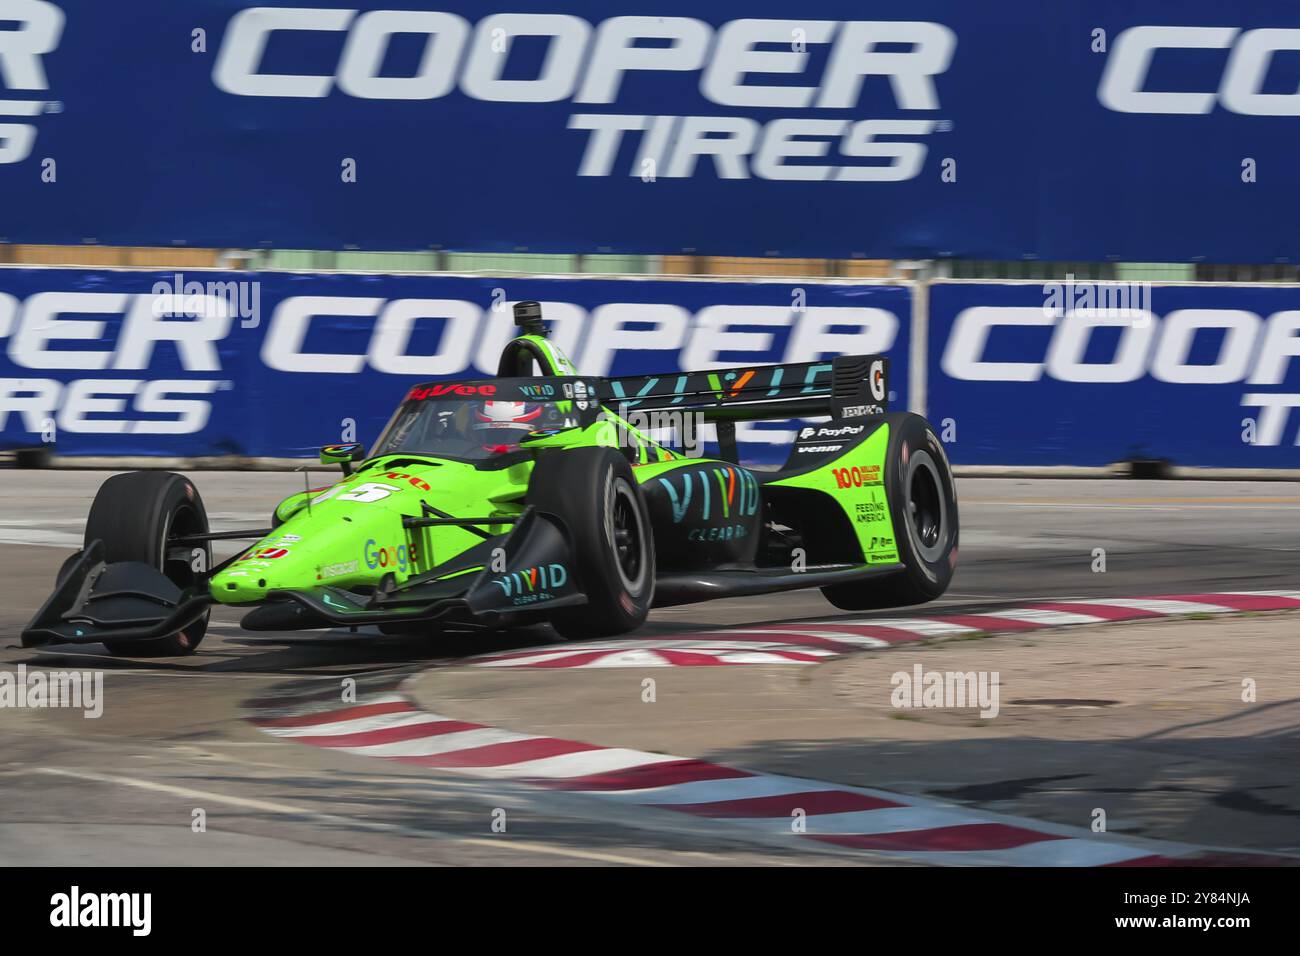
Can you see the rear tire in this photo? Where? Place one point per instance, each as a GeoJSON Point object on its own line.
{"type": "Point", "coordinates": [594, 494]}
{"type": "Point", "coordinates": [923, 505]}
{"type": "Point", "coordinates": [134, 515]}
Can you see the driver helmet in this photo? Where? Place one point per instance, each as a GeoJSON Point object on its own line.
{"type": "Point", "coordinates": [503, 425]}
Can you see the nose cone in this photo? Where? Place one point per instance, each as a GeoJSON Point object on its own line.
{"type": "Point", "coordinates": [264, 569]}
{"type": "Point", "coordinates": [305, 552]}
{"type": "Point", "coordinates": [243, 584]}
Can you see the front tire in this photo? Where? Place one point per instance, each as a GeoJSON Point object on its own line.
{"type": "Point", "coordinates": [594, 494]}
{"type": "Point", "coordinates": [135, 514]}
{"type": "Point", "coordinates": [922, 496]}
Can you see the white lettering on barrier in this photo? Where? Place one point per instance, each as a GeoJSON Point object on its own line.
{"type": "Point", "coordinates": [590, 64]}
{"type": "Point", "coordinates": [80, 406]}
{"type": "Point", "coordinates": [97, 331]}
{"type": "Point", "coordinates": [22, 68]}
{"type": "Point", "coordinates": [1255, 350]}
{"type": "Point", "coordinates": [1242, 80]}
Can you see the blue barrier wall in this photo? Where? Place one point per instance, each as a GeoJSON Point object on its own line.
{"type": "Point", "coordinates": [277, 364]}
{"type": "Point", "coordinates": [1110, 129]}
{"type": "Point", "coordinates": [1028, 374]}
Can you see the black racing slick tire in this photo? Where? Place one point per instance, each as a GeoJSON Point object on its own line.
{"type": "Point", "coordinates": [135, 514]}
{"type": "Point", "coordinates": [922, 498]}
{"type": "Point", "coordinates": [596, 498]}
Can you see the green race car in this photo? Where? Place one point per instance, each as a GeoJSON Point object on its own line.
{"type": "Point", "coordinates": [540, 495]}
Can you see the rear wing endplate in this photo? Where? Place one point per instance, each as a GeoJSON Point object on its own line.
{"type": "Point", "coordinates": [848, 386]}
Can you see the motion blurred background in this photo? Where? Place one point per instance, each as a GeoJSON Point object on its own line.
{"type": "Point", "coordinates": [237, 232]}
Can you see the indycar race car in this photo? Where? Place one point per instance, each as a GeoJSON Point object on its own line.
{"type": "Point", "coordinates": [539, 495]}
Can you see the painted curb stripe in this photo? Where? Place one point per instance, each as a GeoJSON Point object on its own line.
{"type": "Point", "coordinates": [817, 640]}
{"type": "Point", "coordinates": [646, 777]}
{"type": "Point", "coordinates": [760, 805]}
{"type": "Point", "coordinates": [417, 730]}
{"type": "Point", "coordinates": [390, 726]}
{"type": "Point", "coordinates": [374, 691]}
{"type": "Point", "coordinates": [326, 717]}
{"type": "Point", "coordinates": [352, 725]}
{"type": "Point", "coordinates": [1104, 611]}
{"type": "Point", "coordinates": [504, 754]}
{"type": "Point", "coordinates": [811, 802]}
{"type": "Point", "coordinates": [1247, 601]}
{"type": "Point", "coordinates": [972, 836]}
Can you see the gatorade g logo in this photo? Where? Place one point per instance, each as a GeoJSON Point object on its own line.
{"type": "Point", "coordinates": [877, 379]}
{"type": "Point", "coordinates": [22, 70]}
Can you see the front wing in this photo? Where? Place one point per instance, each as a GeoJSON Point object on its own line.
{"type": "Point", "coordinates": [514, 577]}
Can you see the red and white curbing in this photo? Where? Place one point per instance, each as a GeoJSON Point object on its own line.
{"type": "Point", "coordinates": [390, 726]}
{"type": "Point", "coordinates": [810, 642]}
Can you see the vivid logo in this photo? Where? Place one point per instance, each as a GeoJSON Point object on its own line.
{"type": "Point", "coordinates": [536, 582]}
{"type": "Point", "coordinates": [719, 491]}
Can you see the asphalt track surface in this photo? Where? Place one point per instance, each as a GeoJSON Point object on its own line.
{"type": "Point", "coordinates": [175, 740]}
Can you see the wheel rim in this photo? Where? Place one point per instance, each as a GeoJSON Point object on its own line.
{"type": "Point", "coordinates": [176, 561]}
{"type": "Point", "coordinates": [927, 511]}
{"type": "Point", "coordinates": [627, 536]}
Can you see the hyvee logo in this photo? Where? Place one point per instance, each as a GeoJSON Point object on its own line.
{"type": "Point", "coordinates": [1241, 82]}
{"type": "Point", "coordinates": [22, 70]}
{"type": "Point", "coordinates": [588, 63]}
{"type": "Point", "coordinates": [74, 909]}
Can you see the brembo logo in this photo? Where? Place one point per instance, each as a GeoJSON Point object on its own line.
{"type": "Point", "coordinates": [590, 64]}
{"type": "Point", "coordinates": [1245, 67]}
{"type": "Point", "coordinates": [22, 70]}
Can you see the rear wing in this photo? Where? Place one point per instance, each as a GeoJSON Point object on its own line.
{"type": "Point", "coordinates": [848, 386]}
